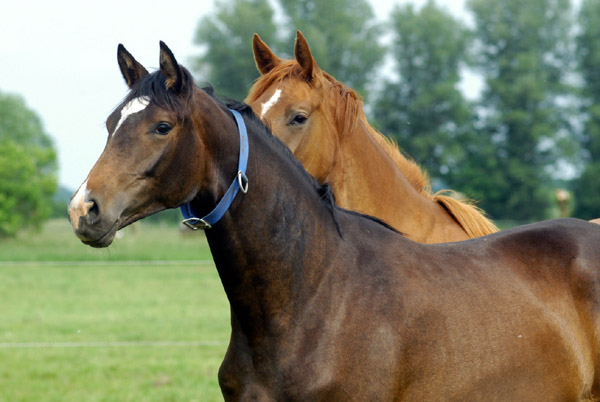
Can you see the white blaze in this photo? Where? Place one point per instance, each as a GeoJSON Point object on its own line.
{"type": "Point", "coordinates": [134, 106]}
{"type": "Point", "coordinates": [78, 206]}
{"type": "Point", "coordinates": [270, 103]}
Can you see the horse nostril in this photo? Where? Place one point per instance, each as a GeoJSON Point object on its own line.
{"type": "Point", "coordinates": [93, 211]}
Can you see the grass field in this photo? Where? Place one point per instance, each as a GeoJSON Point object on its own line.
{"type": "Point", "coordinates": [145, 320]}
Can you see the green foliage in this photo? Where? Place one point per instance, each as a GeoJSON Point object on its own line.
{"type": "Point", "coordinates": [523, 53]}
{"type": "Point", "coordinates": [343, 37]}
{"type": "Point", "coordinates": [586, 190]}
{"type": "Point", "coordinates": [27, 168]}
{"type": "Point", "coordinates": [587, 187]}
{"type": "Point", "coordinates": [423, 110]}
{"type": "Point", "coordinates": [25, 194]}
{"type": "Point", "coordinates": [226, 41]}
{"type": "Point", "coordinates": [588, 46]}
{"type": "Point", "coordinates": [587, 193]}
{"type": "Point", "coordinates": [341, 34]}
{"type": "Point", "coordinates": [20, 124]}
{"type": "Point", "coordinates": [60, 202]}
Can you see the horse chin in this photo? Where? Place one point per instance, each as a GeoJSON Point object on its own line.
{"type": "Point", "coordinates": [97, 238]}
{"type": "Point", "coordinates": [104, 241]}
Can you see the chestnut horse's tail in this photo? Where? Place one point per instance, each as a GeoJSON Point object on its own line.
{"type": "Point", "coordinates": [469, 217]}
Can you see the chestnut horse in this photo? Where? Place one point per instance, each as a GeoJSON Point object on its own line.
{"type": "Point", "coordinates": [331, 305]}
{"type": "Point", "coordinates": [323, 123]}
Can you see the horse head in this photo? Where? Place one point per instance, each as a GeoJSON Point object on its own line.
{"type": "Point", "coordinates": [301, 104]}
{"type": "Point", "coordinates": [155, 156]}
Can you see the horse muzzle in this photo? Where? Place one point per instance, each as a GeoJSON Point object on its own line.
{"type": "Point", "coordinates": [89, 224]}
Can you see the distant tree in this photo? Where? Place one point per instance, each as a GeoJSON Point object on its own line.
{"type": "Point", "coordinates": [422, 109]}
{"type": "Point", "coordinates": [225, 38]}
{"type": "Point", "coordinates": [27, 167]}
{"type": "Point", "coordinates": [60, 202]}
{"type": "Point", "coordinates": [343, 37]}
{"type": "Point", "coordinates": [587, 187]}
{"type": "Point", "coordinates": [587, 193]}
{"type": "Point", "coordinates": [523, 53]}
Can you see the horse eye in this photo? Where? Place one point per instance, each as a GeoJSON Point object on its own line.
{"type": "Point", "coordinates": [162, 128]}
{"type": "Point", "coordinates": [298, 119]}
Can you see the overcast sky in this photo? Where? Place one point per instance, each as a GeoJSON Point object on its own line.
{"type": "Point", "coordinates": [60, 56]}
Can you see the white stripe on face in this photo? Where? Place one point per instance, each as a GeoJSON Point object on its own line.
{"type": "Point", "coordinates": [134, 106]}
{"type": "Point", "coordinates": [78, 206]}
{"type": "Point", "coordinates": [270, 103]}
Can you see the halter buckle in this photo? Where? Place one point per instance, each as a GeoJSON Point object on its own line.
{"type": "Point", "coordinates": [196, 223]}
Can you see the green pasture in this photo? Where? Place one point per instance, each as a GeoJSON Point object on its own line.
{"type": "Point", "coordinates": [145, 320]}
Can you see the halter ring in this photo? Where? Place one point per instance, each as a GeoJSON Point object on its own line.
{"type": "Point", "coordinates": [242, 181]}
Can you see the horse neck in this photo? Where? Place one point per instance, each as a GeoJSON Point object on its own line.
{"type": "Point", "coordinates": [369, 180]}
{"type": "Point", "coordinates": [271, 242]}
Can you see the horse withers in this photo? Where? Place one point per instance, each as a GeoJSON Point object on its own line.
{"type": "Point", "coordinates": [331, 305]}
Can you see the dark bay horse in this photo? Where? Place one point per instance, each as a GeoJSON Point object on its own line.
{"type": "Point", "coordinates": [322, 121]}
{"type": "Point", "coordinates": [330, 305]}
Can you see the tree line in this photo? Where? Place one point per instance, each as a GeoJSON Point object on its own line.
{"type": "Point", "coordinates": [534, 128]}
{"type": "Point", "coordinates": [28, 167]}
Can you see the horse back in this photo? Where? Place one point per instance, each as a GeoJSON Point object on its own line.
{"type": "Point", "coordinates": [510, 316]}
{"type": "Point", "coordinates": [563, 251]}
{"type": "Point", "coordinates": [521, 307]}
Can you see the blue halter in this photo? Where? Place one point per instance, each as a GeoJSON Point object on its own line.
{"type": "Point", "coordinates": [240, 182]}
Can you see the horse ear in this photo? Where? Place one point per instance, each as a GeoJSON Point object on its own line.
{"type": "Point", "coordinates": [264, 57]}
{"type": "Point", "coordinates": [304, 57]}
{"type": "Point", "coordinates": [170, 69]}
{"type": "Point", "coordinates": [131, 69]}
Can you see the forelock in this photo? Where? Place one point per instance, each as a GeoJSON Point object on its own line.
{"type": "Point", "coordinates": [154, 87]}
